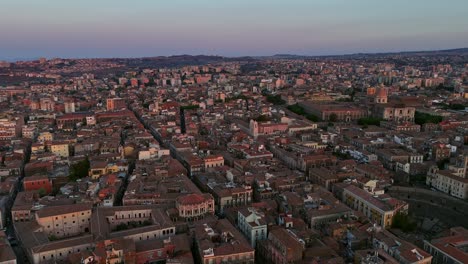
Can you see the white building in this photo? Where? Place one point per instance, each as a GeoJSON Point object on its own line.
{"type": "Point", "coordinates": [448, 181]}
{"type": "Point", "coordinates": [252, 224]}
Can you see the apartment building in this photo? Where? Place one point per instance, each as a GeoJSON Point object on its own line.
{"type": "Point", "coordinates": [220, 242]}
{"type": "Point", "coordinates": [448, 181]}
{"type": "Point", "coordinates": [252, 224]}
{"type": "Point", "coordinates": [60, 148]}
{"type": "Point", "coordinates": [377, 210]}
{"type": "Point", "coordinates": [450, 249]}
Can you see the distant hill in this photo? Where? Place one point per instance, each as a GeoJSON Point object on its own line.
{"type": "Point", "coordinates": [176, 60]}
{"type": "Point", "coordinates": [459, 51]}
{"type": "Point", "coordinates": [181, 60]}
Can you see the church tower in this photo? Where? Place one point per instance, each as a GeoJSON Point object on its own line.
{"type": "Point", "coordinates": [381, 96]}
{"type": "Point", "coordinates": [253, 126]}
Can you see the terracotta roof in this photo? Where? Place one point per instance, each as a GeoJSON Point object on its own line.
{"type": "Point", "coordinates": [63, 209]}
{"type": "Point", "coordinates": [192, 199]}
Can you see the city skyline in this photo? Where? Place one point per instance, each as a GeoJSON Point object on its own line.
{"type": "Point", "coordinates": [120, 29]}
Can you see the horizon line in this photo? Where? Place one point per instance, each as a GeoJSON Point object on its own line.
{"type": "Point", "coordinates": [14, 60]}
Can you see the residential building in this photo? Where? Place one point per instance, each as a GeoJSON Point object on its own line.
{"type": "Point", "coordinates": [252, 224]}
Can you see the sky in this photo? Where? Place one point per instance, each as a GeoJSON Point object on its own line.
{"type": "Point", "coordinates": [143, 28]}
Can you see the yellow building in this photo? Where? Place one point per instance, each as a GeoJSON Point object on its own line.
{"type": "Point", "coordinates": [378, 211]}
{"type": "Point", "coordinates": [45, 136]}
{"type": "Point", "coordinates": [60, 148]}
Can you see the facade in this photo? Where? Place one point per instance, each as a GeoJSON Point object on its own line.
{"type": "Point", "coordinates": [37, 183]}
{"type": "Point", "coordinates": [62, 231]}
{"type": "Point", "coordinates": [195, 206]}
{"type": "Point", "coordinates": [115, 104]}
{"type": "Point", "coordinates": [65, 221]}
{"type": "Point", "coordinates": [448, 182]}
{"type": "Point", "coordinates": [229, 197]}
{"type": "Point", "coordinates": [213, 161]}
{"type": "Point", "coordinates": [401, 250]}
{"type": "Point", "coordinates": [341, 112]}
{"type": "Point", "coordinates": [252, 224]}
{"type": "Point", "coordinates": [440, 152]}
{"type": "Point", "coordinates": [45, 136]}
{"type": "Point", "coordinates": [282, 246]}
{"type": "Point", "coordinates": [60, 149]}
{"type": "Point", "coordinates": [450, 249]}
{"type": "Point", "coordinates": [29, 132]}
{"type": "Point", "coordinates": [220, 242]}
{"type": "Point", "coordinates": [257, 129]}
{"type": "Point", "coordinates": [377, 211]}
{"type": "Point", "coordinates": [395, 112]}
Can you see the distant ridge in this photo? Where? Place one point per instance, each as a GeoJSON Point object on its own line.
{"type": "Point", "coordinates": [461, 51]}
{"type": "Point", "coordinates": [185, 58]}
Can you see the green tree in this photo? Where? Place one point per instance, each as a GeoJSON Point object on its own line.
{"type": "Point", "coordinates": [403, 222]}
{"type": "Point", "coordinates": [189, 107]}
{"type": "Point", "coordinates": [79, 170]}
{"type": "Point", "coordinates": [369, 121]}
{"type": "Point", "coordinates": [42, 192]}
{"type": "Point", "coordinates": [297, 109]}
{"type": "Point", "coordinates": [275, 99]}
{"type": "Point", "coordinates": [333, 117]}
{"type": "Point", "coordinates": [423, 118]}
{"type": "Point", "coordinates": [312, 117]}
{"type": "Point", "coordinates": [262, 118]}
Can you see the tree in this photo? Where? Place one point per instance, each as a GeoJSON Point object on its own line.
{"type": "Point", "coordinates": [369, 121]}
{"type": "Point", "coordinates": [42, 192]}
{"type": "Point", "coordinates": [441, 163]}
{"type": "Point", "coordinates": [79, 170]}
{"type": "Point", "coordinates": [423, 118]}
{"type": "Point", "coordinates": [403, 222]}
{"type": "Point", "coordinates": [297, 109]}
{"type": "Point", "coordinates": [333, 117]}
{"type": "Point", "coordinates": [312, 117]}
{"type": "Point", "coordinates": [275, 99]}
{"type": "Point", "coordinates": [262, 118]}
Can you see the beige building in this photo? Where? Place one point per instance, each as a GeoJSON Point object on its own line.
{"type": "Point", "coordinates": [45, 136]}
{"type": "Point", "coordinates": [65, 220]}
{"type": "Point", "coordinates": [63, 230]}
{"type": "Point", "coordinates": [378, 211]}
{"type": "Point", "coordinates": [195, 206]}
{"type": "Point", "coordinates": [395, 112]}
{"type": "Point", "coordinates": [213, 161]}
{"type": "Point", "coordinates": [60, 148]}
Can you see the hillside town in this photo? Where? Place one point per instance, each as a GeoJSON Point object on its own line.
{"type": "Point", "coordinates": [282, 159]}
